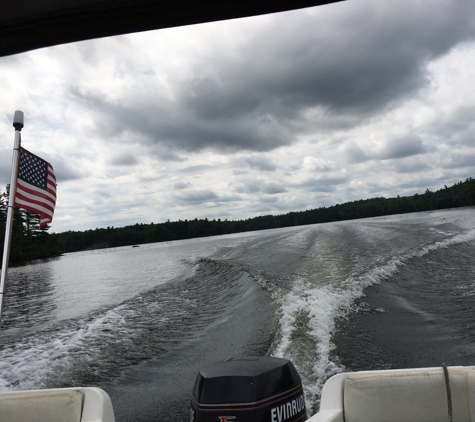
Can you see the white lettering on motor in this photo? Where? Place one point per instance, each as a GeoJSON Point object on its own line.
{"type": "Point", "coordinates": [287, 410]}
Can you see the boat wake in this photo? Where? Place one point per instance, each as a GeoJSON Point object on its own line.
{"type": "Point", "coordinates": [310, 310]}
{"type": "Point", "coordinates": [97, 347]}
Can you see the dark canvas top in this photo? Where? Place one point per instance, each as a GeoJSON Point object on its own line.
{"type": "Point", "coordinates": [30, 24]}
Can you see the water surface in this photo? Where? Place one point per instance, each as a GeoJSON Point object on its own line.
{"type": "Point", "coordinates": [139, 322]}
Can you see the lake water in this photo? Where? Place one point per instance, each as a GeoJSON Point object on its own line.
{"type": "Point", "coordinates": [139, 322]}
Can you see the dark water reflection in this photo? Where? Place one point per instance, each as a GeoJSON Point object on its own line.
{"type": "Point", "coordinates": [131, 319]}
{"type": "Point", "coordinates": [28, 301]}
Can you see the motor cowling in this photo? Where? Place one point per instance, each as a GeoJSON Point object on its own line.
{"type": "Point", "coordinates": [251, 389]}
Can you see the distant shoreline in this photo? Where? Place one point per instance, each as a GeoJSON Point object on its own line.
{"type": "Point", "coordinates": [461, 194]}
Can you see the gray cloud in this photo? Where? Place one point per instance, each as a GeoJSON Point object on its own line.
{"type": "Point", "coordinates": [463, 114]}
{"type": "Point", "coordinates": [372, 57]}
{"type": "Point", "coordinates": [403, 147]}
{"type": "Point", "coordinates": [100, 197]}
{"type": "Point", "coordinates": [366, 65]}
{"type": "Point", "coordinates": [239, 172]}
{"type": "Point", "coordinates": [123, 160]}
{"type": "Point", "coordinates": [322, 184]}
{"type": "Point", "coordinates": [393, 149]}
{"type": "Point", "coordinates": [258, 186]}
{"type": "Point", "coordinates": [356, 155]}
{"type": "Point", "coordinates": [64, 171]}
{"type": "Point", "coordinates": [260, 163]}
{"type": "Point", "coordinates": [248, 187]}
{"type": "Point", "coordinates": [182, 185]}
{"type": "Point", "coordinates": [196, 169]}
{"type": "Point", "coordinates": [196, 197]}
{"type": "Point", "coordinates": [457, 160]}
{"type": "Point", "coordinates": [273, 188]}
{"type": "Point", "coordinates": [269, 200]}
{"type": "Point", "coordinates": [406, 167]}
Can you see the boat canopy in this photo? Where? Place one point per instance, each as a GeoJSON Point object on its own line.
{"type": "Point", "coordinates": [30, 24]}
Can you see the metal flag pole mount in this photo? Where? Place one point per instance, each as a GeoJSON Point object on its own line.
{"type": "Point", "coordinates": [18, 125]}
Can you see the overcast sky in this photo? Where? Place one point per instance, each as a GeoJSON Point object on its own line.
{"type": "Point", "coordinates": [256, 116]}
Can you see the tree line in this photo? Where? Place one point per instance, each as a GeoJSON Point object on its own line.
{"type": "Point", "coordinates": [459, 195]}
{"type": "Point", "coordinates": [28, 241]}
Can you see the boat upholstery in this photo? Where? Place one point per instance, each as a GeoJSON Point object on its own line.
{"type": "Point", "coordinates": [42, 406]}
{"type": "Point", "coordinates": [416, 396]}
{"type": "Point", "coordinates": [80, 404]}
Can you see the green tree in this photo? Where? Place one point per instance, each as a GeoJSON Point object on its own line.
{"type": "Point", "coordinates": [28, 240]}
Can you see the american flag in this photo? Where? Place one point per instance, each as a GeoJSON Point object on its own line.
{"type": "Point", "coordinates": [36, 186]}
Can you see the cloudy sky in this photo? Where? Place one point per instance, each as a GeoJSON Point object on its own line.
{"type": "Point", "coordinates": [255, 116]}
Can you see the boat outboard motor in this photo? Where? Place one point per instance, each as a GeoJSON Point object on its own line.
{"type": "Point", "coordinates": [248, 389]}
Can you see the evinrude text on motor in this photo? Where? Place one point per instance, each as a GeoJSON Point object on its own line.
{"type": "Point", "coordinates": [254, 389]}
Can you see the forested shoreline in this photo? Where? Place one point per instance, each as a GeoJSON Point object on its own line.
{"type": "Point", "coordinates": [29, 242]}
{"type": "Point", "coordinates": [459, 195]}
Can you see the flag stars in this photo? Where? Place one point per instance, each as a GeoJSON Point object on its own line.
{"type": "Point", "coordinates": [33, 169]}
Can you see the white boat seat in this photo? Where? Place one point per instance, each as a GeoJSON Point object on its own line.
{"type": "Point", "coordinates": [42, 406]}
{"type": "Point", "coordinates": [415, 396]}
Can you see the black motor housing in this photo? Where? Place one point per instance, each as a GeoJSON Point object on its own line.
{"type": "Point", "coordinates": [260, 389]}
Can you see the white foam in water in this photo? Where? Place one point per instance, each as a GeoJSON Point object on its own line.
{"type": "Point", "coordinates": [29, 364]}
{"type": "Point", "coordinates": [42, 359]}
{"type": "Point", "coordinates": [322, 305]}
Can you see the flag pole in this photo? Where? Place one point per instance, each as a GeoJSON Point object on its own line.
{"type": "Point", "coordinates": [18, 125]}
